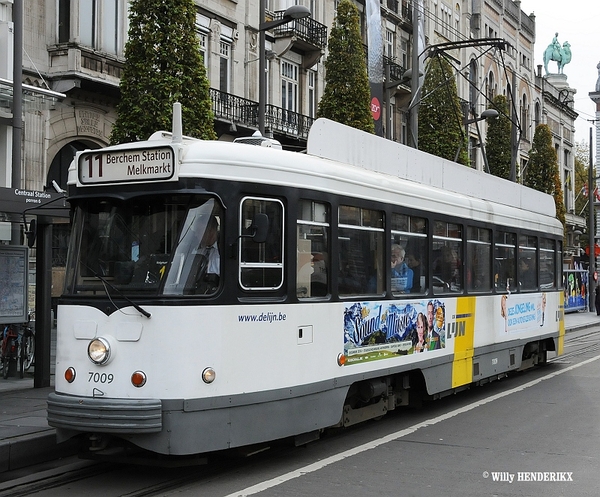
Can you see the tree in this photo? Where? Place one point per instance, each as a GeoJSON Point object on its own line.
{"type": "Point", "coordinates": [441, 131]}
{"type": "Point", "coordinates": [582, 159]}
{"type": "Point", "coordinates": [542, 169]}
{"type": "Point", "coordinates": [497, 142]}
{"type": "Point", "coordinates": [347, 96]}
{"type": "Point", "coordinates": [163, 65]}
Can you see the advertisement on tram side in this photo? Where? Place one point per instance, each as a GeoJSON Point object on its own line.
{"type": "Point", "coordinates": [522, 312]}
{"type": "Point", "coordinates": [380, 330]}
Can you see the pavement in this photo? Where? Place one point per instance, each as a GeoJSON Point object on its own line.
{"type": "Point", "coordinates": [26, 439]}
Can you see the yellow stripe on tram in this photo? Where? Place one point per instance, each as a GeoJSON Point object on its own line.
{"type": "Point", "coordinates": [462, 366]}
{"type": "Point", "coordinates": [561, 330]}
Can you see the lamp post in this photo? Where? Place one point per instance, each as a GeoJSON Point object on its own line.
{"type": "Point", "coordinates": [591, 229]}
{"type": "Point", "coordinates": [292, 13]}
{"type": "Point", "coordinates": [484, 115]}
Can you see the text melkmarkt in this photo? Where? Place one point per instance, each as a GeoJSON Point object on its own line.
{"type": "Point", "coordinates": [142, 169]}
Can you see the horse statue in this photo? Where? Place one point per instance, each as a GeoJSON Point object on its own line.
{"type": "Point", "coordinates": [561, 55]}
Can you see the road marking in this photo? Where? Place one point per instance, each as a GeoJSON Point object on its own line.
{"type": "Point", "coordinates": [259, 487]}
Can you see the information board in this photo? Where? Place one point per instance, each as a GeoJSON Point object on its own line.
{"type": "Point", "coordinates": [127, 165]}
{"type": "Point", "coordinates": [13, 283]}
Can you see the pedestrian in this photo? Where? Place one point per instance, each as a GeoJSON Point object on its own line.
{"type": "Point", "coordinates": [597, 300]}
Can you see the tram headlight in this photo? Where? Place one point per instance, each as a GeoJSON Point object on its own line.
{"type": "Point", "coordinates": [99, 351]}
{"type": "Point", "coordinates": [209, 375]}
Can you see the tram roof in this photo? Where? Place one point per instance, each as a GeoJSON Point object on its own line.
{"type": "Point", "coordinates": [341, 160]}
{"type": "Point", "coordinates": [377, 154]}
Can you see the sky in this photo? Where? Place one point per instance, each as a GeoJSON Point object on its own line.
{"type": "Point", "coordinates": [577, 22]}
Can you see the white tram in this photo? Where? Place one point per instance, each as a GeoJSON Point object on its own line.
{"type": "Point", "coordinates": [219, 294]}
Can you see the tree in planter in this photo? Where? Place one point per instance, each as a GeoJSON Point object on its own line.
{"type": "Point", "coordinates": [497, 142]}
{"type": "Point", "coordinates": [542, 169]}
{"type": "Point", "coordinates": [163, 65]}
{"type": "Point", "coordinates": [347, 96]}
{"type": "Point", "coordinates": [441, 119]}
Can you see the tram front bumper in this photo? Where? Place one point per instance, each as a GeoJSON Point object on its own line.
{"type": "Point", "coordinates": [119, 416]}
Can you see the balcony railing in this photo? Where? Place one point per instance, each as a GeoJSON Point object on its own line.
{"type": "Point", "coordinates": [307, 29]}
{"type": "Point", "coordinates": [396, 70]}
{"type": "Point", "coordinates": [241, 111]}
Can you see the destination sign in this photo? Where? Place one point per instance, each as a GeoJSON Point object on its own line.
{"type": "Point", "coordinates": [130, 165]}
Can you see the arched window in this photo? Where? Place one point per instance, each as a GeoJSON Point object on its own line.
{"type": "Point", "coordinates": [491, 86]}
{"type": "Point", "coordinates": [473, 85]}
{"type": "Point", "coordinates": [525, 117]}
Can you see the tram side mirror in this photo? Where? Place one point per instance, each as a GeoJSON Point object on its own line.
{"type": "Point", "coordinates": [260, 227]}
{"type": "Point", "coordinates": [31, 233]}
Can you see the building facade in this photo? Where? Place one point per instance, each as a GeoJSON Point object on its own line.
{"type": "Point", "coordinates": [75, 48]}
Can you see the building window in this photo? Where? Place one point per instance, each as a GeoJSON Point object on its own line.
{"type": "Point", "coordinates": [312, 98]}
{"type": "Point", "coordinates": [289, 91]}
{"type": "Point", "coordinates": [203, 41]}
{"type": "Point", "coordinates": [525, 117]}
{"type": "Point", "coordinates": [491, 90]}
{"type": "Point", "coordinates": [64, 21]}
{"type": "Point", "coordinates": [224, 65]}
{"type": "Point", "coordinates": [389, 43]}
{"type": "Point", "coordinates": [100, 23]}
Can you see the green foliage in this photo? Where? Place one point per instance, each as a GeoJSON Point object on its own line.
{"type": "Point", "coordinates": [542, 169]}
{"type": "Point", "coordinates": [497, 142]}
{"type": "Point", "coordinates": [440, 116]}
{"type": "Point", "coordinates": [163, 65]}
{"type": "Point", "coordinates": [581, 174]}
{"type": "Point", "coordinates": [347, 96]}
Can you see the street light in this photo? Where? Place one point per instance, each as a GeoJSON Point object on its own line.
{"type": "Point", "coordinates": [484, 115]}
{"type": "Point", "coordinates": [291, 14]}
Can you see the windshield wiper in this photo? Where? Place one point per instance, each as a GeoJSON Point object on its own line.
{"type": "Point", "coordinates": [138, 307]}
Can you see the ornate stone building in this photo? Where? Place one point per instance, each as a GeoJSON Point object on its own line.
{"type": "Point", "coordinates": [74, 48]}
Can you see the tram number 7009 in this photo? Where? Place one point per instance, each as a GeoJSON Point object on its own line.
{"type": "Point", "coordinates": [100, 377]}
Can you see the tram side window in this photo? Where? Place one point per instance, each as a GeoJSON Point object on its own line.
{"type": "Point", "coordinates": [361, 269]}
{"type": "Point", "coordinates": [527, 262]}
{"type": "Point", "coordinates": [505, 261]}
{"type": "Point", "coordinates": [558, 268]}
{"type": "Point", "coordinates": [409, 254]}
{"type": "Point", "coordinates": [261, 264]}
{"type": "Point", "coordinates": [312, 265]}
{"type": "Point", "coordinates": [479, 259]}
{"type": "Point", "coordinates": [447, 250]}
{"type": "Point", "coordinates": [547, 264]}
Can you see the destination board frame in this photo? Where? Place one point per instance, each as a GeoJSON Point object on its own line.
{"type": "Point", "coordinates": [127, 165]}
{"type": "Point", "coordinates": [14, 265]}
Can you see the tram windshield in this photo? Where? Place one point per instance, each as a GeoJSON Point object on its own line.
{"type": "Point", "coordinates": [152, 245]}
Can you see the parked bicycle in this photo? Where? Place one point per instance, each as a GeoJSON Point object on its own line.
{"type": "Point", "coordinates": [18, 344]}
{"type": "Point", "coordinates": [27, 342]}
{"type": "Point", "coordinates": [10, 348]}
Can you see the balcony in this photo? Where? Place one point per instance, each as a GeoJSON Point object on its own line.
{"type": "Point", "coordinates": [305, 35]}
{"type": "Point", "coordinates": [241, 112]}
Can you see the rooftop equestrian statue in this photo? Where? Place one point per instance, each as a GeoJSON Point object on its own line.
{"type": "Point", "coordinates": [561, 55]}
